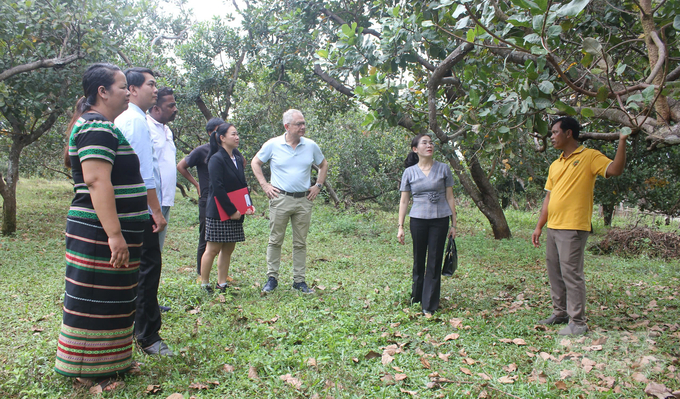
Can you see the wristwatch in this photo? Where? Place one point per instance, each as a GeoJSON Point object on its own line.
{"type": "Point", "coordinates": [319, 185]}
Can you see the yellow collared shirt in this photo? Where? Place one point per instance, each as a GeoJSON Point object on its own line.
{"type": "Point", "coordinates": [571, 182]}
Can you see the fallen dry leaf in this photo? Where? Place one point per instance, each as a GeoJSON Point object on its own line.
{"type": "Point", "coordinates": [386, 359]}
{"type": "Point", "coordinates": [444, 356]}
{"type": "Point", "coordinates": [658, 390]}
{"type": "Point", "coordinates": [252, 373]}
{"type": "Point", "coordinates": [400, 377]}
{"type": "Point", "coordinates": [639, 377]}
{"type": "Point", "coordinates": [198, 385]}
{"type": "Point", "coordinates": [291, 380]}
{"type": "Point", "coordinates": [592, 348]}
{"type": "Point", "coordinates": [176, 395]}
{"type": "Point", "coordinates": [228, 368]}
{"type": "Point", "coordinates": [647, 359]}
{"type": "Point", "coordinates": [484, 376]}
{"type": "Point", "coordinates": [465, 371]}
{"type": "Point", "coordinates": [536, 376]}
{"type": "Point", "coordinates": [311, 362]}
{"type": "Point", "coordinates": [483, 394]}
{"type": "Point", "coordinates": [412, 393]}
{"type": "Point", "coordinates": [564, 374]}
{"type": "Point", "coordinates": [505, 340]}
{"type": "Point", "coordinates": [469, 361]}
{"type": "Point", "coordinates": [510, 368]}
{"type": "Point", "coordinates": [425, 362]}
{"type": "Point", "coordinates": [451, 336]}
{"type": "Point", "coordinates": [608, 381]}
{"type": "Point", "coordinates": [151, 389]}
{"type": "Point", "coordinates": [507, 380]}
{"type": "Point", "coordinates": [600, 341]}
{"type": "Point", "coordinates": [456, 323]}
{"type": "Point", "coordinates": [519, 341]}
{"type": "Point", "coordinates": [587, 364]}
{"type": "Point", "coordinates": [194, 311]}
{"type": "Point", "coordinates": [561, 386]}
{"type": "Point", "coordinates": [546, 356]}
{"type": "Point", "coordinates": [565, 342]}
{"type": "Point", "coordinates": [371, 354]}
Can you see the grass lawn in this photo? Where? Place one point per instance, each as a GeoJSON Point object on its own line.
{"type": "Point", "coordinates": [357, 336]}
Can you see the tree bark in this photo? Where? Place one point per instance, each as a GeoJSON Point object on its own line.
{"type": "Point", "coordinates": [608, 214]}
{"type": "Point", "coordinates": [8, 189]}
{"type": "Point", "coordinates": [203, 108]}
{"type": "Point", "coordinates": [663, 112]}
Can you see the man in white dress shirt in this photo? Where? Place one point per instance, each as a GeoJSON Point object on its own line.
{"type": "Point", "coordinates": [158, 117]}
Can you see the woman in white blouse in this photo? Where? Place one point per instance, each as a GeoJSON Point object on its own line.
{"type": "Point", "coordinates": [430, 183]}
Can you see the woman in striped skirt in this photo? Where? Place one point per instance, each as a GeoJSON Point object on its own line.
{"type": "Point", "coordinates": [104, 231]}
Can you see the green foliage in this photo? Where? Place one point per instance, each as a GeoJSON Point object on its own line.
{"type": "Point", "coordinates": [364, 164]}
{"type": "Point", "coordinates": [649, 182]}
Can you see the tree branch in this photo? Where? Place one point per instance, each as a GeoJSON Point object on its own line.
{"type": "Point", "coordinates": [334, 83]}
{"type": "Point", "coordinates": [203, 108]}
{"type": "Point", "coordinates": [125, 58]}
{"type": "Point", "coordinates": [662, 57]}
{"type": "Point", "coordinates": [341, 21]}
{"type": "Point", "coordinates": [180, 36]}
{"type": "Point", "coordinates": [673, 75]}
{"type": "Point", "coordinates": [31, 66]}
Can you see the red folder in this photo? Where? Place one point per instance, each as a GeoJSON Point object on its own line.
{"type": "Point", "coordinates": [240, 199]}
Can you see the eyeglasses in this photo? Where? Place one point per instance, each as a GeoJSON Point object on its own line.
{"type": "Point", "coordinates": [298, 124]}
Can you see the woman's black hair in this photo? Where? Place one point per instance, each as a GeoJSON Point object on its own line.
{"type": "Point", "coordinates": [96, 75]}
{"type": "Point", "coordinates": [215, 140]}
{"type": "Point", "coordinates": [412, 157]}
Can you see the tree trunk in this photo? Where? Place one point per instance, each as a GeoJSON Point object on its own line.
{"type": "Point", "coordinates": [490, 206]}
{"type": "Point", "coordinates": [8, 190]}
{"type": "Point", "coordinates": [608, 214]}
{"type": "Point", "coordinates": [481, 191]}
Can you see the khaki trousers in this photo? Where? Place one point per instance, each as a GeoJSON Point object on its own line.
{"type": "Point", "coordinates": [299, 212]}
{"type": "Point", "coordinates": [564, 258]}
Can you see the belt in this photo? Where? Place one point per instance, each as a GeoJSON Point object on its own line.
{"type": "Point", "coordinates": [294, 195]}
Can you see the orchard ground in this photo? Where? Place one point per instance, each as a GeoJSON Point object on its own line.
{"type": "Point", "coordinates": [357, 336]}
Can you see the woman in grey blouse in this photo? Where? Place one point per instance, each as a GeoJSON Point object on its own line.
{"type": "Point", "coordinates": [430, 183]}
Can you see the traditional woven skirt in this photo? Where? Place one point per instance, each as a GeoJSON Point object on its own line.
{"type": "Point", "coordinates": [224, 231]}
{"type": "Point", "coordinates": [96, 337]}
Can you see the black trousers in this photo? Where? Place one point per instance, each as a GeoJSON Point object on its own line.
{"type": "Point", "coordinates": [429, 239]}
{"type": "Point", "coordinates": [148, 316]}
{"type": "Point", "coordinates": [201, 233]}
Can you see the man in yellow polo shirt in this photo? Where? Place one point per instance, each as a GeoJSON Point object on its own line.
{"type": "Point", "coordinates": [568, 209]}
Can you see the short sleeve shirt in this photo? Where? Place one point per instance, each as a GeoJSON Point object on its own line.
{"type": "Point", "coordinates": [571, 182]}
{"type": "Point", "coordinates": [94, 137]}
{"type": "Point", "coordinates": [429, 192]}
{"type": "Point", "coordinates": [291, 168]}
{"type": "Point", "coordinates": [197, 158]}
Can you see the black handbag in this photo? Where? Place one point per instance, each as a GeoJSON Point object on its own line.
{"type": "Point", "coordinates": [450, 258]}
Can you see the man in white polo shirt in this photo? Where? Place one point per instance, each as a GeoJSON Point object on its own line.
{"type": "Point", "coordinates": [158, 117]}
{"type": "Point", "coordinates": [290, 194]}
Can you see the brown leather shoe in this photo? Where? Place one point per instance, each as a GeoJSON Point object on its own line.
{"type": "Point", "coordinates": [553, 319]}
